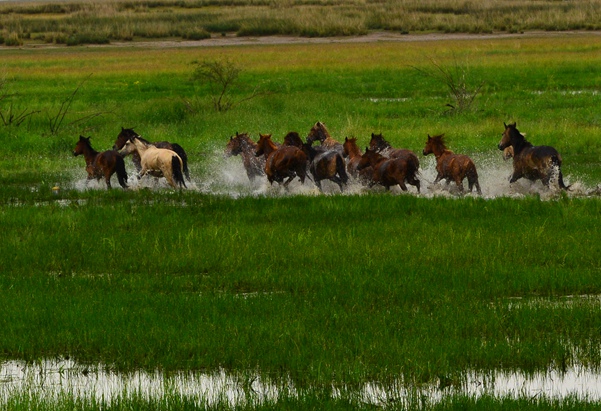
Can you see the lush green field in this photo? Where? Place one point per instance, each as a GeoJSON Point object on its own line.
{"type": "Point", "coordinates": [328, 290]}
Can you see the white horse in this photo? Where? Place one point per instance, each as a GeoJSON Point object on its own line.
{"type": "Point", "coordinates": [159, 162]}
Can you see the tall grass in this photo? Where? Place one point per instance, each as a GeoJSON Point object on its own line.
{"type": "Point", "coordinates": [150, 19]}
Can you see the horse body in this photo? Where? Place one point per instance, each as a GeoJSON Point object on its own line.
{"type": "Point", "coordinates": [326, 165]}
{"type": "Point", "coordinates": [451, 166]}
{"type": "Point", "coordinates": [389, 172]}
{"type": "Point", "coordinates": [156, 161]}
{"type": "Point", "coordinates": [281, 162]}
{"type": "Point", "coordinates": [127, 134]}
{"type": "Point", "coordinates": [101, 164]}
{"type": "Point", "coordinates": [321, 133]}
{"type": "Point", "coordinates": [529, 161]}
{"type": "Point", "coordinates": [242, 145]}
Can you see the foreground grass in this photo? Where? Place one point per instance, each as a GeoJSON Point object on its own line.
{"type": "Point", "coordinates": [345, 289]}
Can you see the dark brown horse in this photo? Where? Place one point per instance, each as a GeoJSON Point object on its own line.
{"type": "Point", "coordinates": [127, 134]}
{"type": "Point", "coordinates": [243, 146]}
{"type": "Point", "coordinates": [103, 164]}
{"type": "Point", "coordinates": [320, 133]}
{"type": "Point", "coordinates": [390, 171]}
{"type": "Point", "coordinates": [451, 166]}
{"type": "Point", "coordinates": [531, 162]}
{"type": "Point", "coordinates": [281, 162]}
{"type": "Point", "coordinates": [326, 165]}
{"type": "Point", "coordinates": [380, 145]}
{"type": "Point", "coordinates": [293, 139]}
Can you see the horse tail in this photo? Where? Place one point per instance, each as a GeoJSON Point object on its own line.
{"type": "Point", "coordinates": [121, 172]}
{"type": "Point", "coordinates": [556, 162]}
{"type": "Point", "coordinates": [176, 167]}
{"type": "Point", "coordinates": [341, 168]}
{"type": "Point", "coordinates": [182, 154]}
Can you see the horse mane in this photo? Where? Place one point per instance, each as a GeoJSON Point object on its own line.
{"type": "Point", "coordinates": [519, 138]}
{"type": "Point", "coordinates": [440, 140]}
{"type": "Point", "coordinates": [380, 141]}
{"type": "Point", "coordinates": [293, 139]}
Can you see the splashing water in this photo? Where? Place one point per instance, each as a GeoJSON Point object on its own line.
{"type": "Point", "coordinates": [218, 175]}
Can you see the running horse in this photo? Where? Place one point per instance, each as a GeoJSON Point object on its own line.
{"type": "Point", "coordinates": [101, 164]}
{"type": "Point", "coordinates": [129, 133]}
{"type": "Point", "coordinates": [156, 161]}
{"type": "Point", "coordinates": [321, 133]}
{"type": "Point", "coordinates": [451, 166]}
{"type": "Point", "coordinates": [380, 145]}
{"type": "Point", "coordinates": [243, 146]}
{"type": "Point", "coordinates": [390, 171]}
{"type": "Point", "coordinates": [531, 162]}
{"type": "Point", "coordinates": [281, 162]}
{"type": "Point", "coordinates": [326, 165]}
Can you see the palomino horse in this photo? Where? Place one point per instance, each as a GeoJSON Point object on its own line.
{"type": "Point", "coordinates": [326, 165]}
{"type": "Point", "coordinates": [156, 161]}
{"type": "Point", "coordinates": [531, 162]}
{"type": "Point", "coordinates": [128, 133]}
{"type": "Point", "coordinates": [451, 166]}
{"type": "Point", "coordinates": [321, 133]}
{"type": "Point", "coordinates": [281, 162]}
{"type": "Point", "coordinates": [242, 145]}
{"type": "Point", "coordinates": [390, 171]}
{"type": "Point", "coordinates": [103, 164]}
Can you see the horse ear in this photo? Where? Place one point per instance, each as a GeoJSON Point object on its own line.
{"type": "Point", "coordinates": [429, 138]}
{"type": "Point", "coordinates": [372, 135]}
{"type": "Point", "coordinates": [505, 124]}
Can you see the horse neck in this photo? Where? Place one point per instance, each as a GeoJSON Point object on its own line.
{"type": "Point", "coordinates": [269, 147]}
{"type": "Point", "coordinates": [353, 150]}
{"type": "Point", "coordinates": [440, 150]}
{"type": "Point", "coordinates": [89, 154]}
{"type": "Point", "coordinates": [518, 142]}
{"type": "Point", "coordinates": [140, 146]}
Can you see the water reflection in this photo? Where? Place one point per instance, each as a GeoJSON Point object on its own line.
{"type": "Point", "coordinates": [52, 380]}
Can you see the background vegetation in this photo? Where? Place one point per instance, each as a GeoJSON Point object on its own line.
{"type": "Point", "coordinates": [77, 22]}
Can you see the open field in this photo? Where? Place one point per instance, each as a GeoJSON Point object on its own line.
{"type": "Point", "coordinates": [326, 291]}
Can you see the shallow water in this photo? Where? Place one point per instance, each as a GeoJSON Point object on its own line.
{"type": "Point", "coordinates": [51, 380]}
{"type": "Point", "coordinates": [226, 176]}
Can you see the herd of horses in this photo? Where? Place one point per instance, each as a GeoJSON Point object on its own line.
{"type": "Point", "coordinates": [339, 162]}
{"type": "Point", "coordinates": [380, 163]}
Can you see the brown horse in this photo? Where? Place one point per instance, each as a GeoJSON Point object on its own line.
{"type": "Point", "coordinates": [326, 165]}
{"type": "Point", "coordinates": [531, 162]}
{"type": "Point", "coordinates": [390, 171]}
{"type": "Point", "coordinates": [281, 162]}
{"type": "Point", "coordinates": [380, 145]}
{"type": "Point", "coordinates": [127, 134]}
{"type": "Point", "coordinates": [103, 164]}
{"type": "Point", "coordinates": [293, 139]}
{"type": "Point", "coordinates": [353, 154]}
{"type": "Point", "coordinates": [242, 145]}
{"type": "Point", "coordinates": [451, 166]}
{"type": "Point", "coordinates": [321, 133]}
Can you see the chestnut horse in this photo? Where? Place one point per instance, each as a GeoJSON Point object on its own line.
{"type": "Point", "coordinates": [390, 171]}
{"type": "Point", "coordinates": [156, 161]}
{"type": "Point", "coordinates": [354, 155]}
{"type": "Point", "coordinates": [321, 133]}
{"type": "Point", "coordinates": [451, 166]}
{"type": "Point", "coordinates": [242, 145]}
{"type": "Point", "coordinates": [128, 133]}
{"type": "Point", "coordinates": [531, 162]}
{"type": "Point", "coordinates": [326, 165]}
{"type": "Point", "coordinates": [103, 164]}
{"type": "Point", "coordinates": [281, 162]}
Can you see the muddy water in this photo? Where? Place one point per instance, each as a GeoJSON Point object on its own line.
{"type": "Point", "coordinates": [52, 380]}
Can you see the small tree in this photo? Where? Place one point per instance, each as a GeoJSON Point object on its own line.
{"type": "Point", "coordinates": [458, 81]}
{"type": "Point", "coordinates": [222, 76]}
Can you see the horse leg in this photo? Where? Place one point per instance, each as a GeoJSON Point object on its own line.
{"type": "Point", "coordinates": [107, 178]}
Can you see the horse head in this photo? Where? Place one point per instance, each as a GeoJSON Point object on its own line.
{"type": "Point", "coordinates": [125, 135]}
{"type": "Point", "coordinates": [369, 159]}
{"type": "Point", "coordinates": [509, 136]}
{"type": "Point", "coordinates": [234, 146]}
{"type": "Point", "coordinates": [293, 139]}
{"type": "Point", "coordinates": [434, 145]}
{"type": "Point", "coordinates": [82, 145]}
{"type": "Point", "coordinates": [378, 143]}
{"type": "Point", "coordinates": [264, 145]}
{"type": "Point", "coordinates": [318, 132]}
